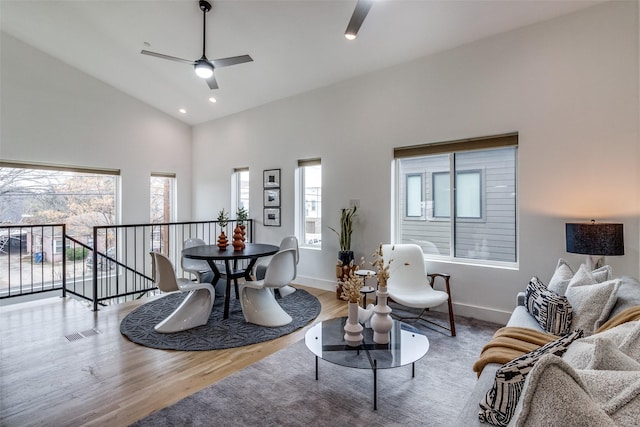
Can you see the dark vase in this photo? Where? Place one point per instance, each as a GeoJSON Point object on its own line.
{"type": "Point", "coordinates": [345, 256]}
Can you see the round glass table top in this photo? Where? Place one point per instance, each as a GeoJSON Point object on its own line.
{"type": "Point", "coordinates": [407, 345]}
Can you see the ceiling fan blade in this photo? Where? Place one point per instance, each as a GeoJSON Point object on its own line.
{"type": "Point", "coordinates": [359, 13]}
{"type": "Point", "coordinates": [211, 81]}
{"type": "Point", "coordinates": [171, 58]}
{"type": "Point", "coordinates": [232, 60]}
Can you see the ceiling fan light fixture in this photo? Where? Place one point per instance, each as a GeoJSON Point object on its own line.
{"type": "Point", "coordinates": [204, 70]}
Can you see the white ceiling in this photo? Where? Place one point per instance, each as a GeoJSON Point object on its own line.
{"type": "Point", "coordinates": [296, 45]}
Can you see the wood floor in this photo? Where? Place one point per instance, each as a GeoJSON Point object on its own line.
{"type": "Point", "coordinates": [104, 379]}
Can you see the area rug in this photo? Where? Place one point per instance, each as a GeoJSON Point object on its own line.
{"type": "Point", "coordinates": [218, 333]}
{"type": "Point", "coordinates": [281, 389]}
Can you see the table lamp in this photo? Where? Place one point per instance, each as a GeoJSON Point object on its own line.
{"type": "Point", "coordinates": [594, 240]}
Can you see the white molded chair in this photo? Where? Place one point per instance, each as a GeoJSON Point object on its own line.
{"type": "Point", "coordinates": [194, 310]}
{"type": "Point", "coordinates": [198, 267]}
{"type": "Point", "coordinates": [411, 286]}
{"type": "Point", "coordinates": [289, 242]}
{"type": "Point", "coordinates": [258, 303]}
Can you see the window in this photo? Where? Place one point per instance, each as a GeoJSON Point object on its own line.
{"type": "Point", "coordinates": [161, 202]}
{"type": "Point", "coordinates": [309, 217]}
{"type": "Point", "coordinates": [468, 194]}
{"type": "Point", "coordinates": [40, 194]}
{"type": "Point", "coordinates": [414, 204]}
{"type": "Point", "coordinates": [240, 189]}
{"type": "Point", "coordinates": [482, 174]}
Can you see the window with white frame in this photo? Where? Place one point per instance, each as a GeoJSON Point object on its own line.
{"type": "Point", "coordinates": [240, 189]}
{"type": "Point", "coordinates": [309, 217]}
{"type": "Point", "coordinates": [483, 176]}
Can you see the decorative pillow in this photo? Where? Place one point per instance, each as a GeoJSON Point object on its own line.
{"type": "Point", "coordinates": [561, 277]}
{"type": "Point", "coordinates": [555, 394]}
{"type": "Point", "coordinates": [607, 357]}
{"type": "Point", "coordinates": [617, 393]}
{"type": "Point", "coordinates": [591, 301]}
{"type": "Point", "coordinates": [626, 338]}
{"type": "Point", "coordinates": [552, 311]}
{"type": "Point", "coordinates": [499, 403]}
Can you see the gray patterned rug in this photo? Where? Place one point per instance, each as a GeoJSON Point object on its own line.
{"type": "Point", "coordinates": [218, 333]}
{"type": "Point", "coordinates": [281, 390]}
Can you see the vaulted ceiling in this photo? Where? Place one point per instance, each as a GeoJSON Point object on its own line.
{"type": "Point", "coordinates": [296, 45]}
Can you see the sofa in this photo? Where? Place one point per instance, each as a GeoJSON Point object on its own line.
{"type": "Point", "coordinates": [559, 384]}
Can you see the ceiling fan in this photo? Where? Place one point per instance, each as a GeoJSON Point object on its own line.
{"type": "Point", "coordinates": [359, 13]}
{"type": "Point", "coordinates": [204, 67]}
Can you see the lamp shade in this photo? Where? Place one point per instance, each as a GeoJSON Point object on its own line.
{"type": "Point", "coordinates": [595, 239]}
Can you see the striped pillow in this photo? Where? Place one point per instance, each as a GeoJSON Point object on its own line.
{"type": "Point", "coordinates": [500, 402]}
{"type": "Point", "coordinates": [552, 311]}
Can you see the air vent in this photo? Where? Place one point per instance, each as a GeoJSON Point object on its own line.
{"type": "Point", "coordinates": [83, 334]}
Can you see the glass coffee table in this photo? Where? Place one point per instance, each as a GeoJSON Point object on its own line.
{"type": "Point", "coordinates": [406, 346]}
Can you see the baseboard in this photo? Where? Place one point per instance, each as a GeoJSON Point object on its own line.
{"type": "Point", "coordinates": [483, 313]}
{"type": "Point", "coordinates": [312, 282]}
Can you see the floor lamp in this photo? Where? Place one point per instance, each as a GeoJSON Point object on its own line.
{"type": "Point", "coordinates": [596, 240]}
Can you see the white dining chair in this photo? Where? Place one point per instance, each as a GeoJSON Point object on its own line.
{"type": "Point", "coordinates": [196, 307]}
{"type": "Point", "coordinates": [411, 286]}
{"type": "Point", "coordinates": [259, 305]}
{"type": "Point", "coordinates": [200, 268]}
{"type": "Point", "coordinates": [289, 242]}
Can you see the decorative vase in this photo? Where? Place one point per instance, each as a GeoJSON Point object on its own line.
{"type": "Point", "coordinates": [243, 231]}
{"type": "Point", "coordinates": [381, 321]}
{"type": "Point", "coordinates": [353, 329]}
{"type": "Point", "coordinates": [238, 243]}
{"type": "Point", "coordinates": [223, 242]}
{"type": "Point", "coordinates": [345, 257]}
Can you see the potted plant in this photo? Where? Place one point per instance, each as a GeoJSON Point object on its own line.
{"type": "Point", "coordinates": [223, 219]}
{"type": "Point", "coordinates": [347, 217]}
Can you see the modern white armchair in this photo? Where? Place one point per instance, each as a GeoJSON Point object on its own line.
{"type": "Point", "coordinates": [258, 302]}
{"type": "Point", "coordinates": [194, 310]}
{"type": "Point", "coordinates": [289, 242]}
{"type": "Point", "coordinates": [411, 286]}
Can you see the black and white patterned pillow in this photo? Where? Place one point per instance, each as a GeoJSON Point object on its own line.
{"type": "Point", "coordinates": [500, 402]}
{"type": "Point", "coordinates": [552, 311]}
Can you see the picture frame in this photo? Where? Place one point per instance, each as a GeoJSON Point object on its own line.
{"type": "Point", "coordinates": [271, 178]}
{"type": "Point", "coordinates": [272, 198]}
{"type": "Point", "coordinates": [271, 217]}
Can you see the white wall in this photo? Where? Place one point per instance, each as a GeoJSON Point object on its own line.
{"type": "Point", "coordinates": [568, 86]}
{"type": "Point", "coordinates": [52, 113]}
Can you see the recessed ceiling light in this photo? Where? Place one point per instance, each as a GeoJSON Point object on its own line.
{"type": "Point", "coordinates": [183, 111]}
{"type": "Point", "coordinates": [212, 99]}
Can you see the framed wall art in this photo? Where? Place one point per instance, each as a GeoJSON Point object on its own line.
{"type": "Point", "coordinates": [272, 198]}
{"type": "Point", "coordinates": [272, 217]}
{"type": "Point", "coordinates": [271, 178]}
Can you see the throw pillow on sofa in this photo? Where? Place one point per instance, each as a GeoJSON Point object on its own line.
{"type": "Point", "coordinates": [500, 402]}
{"type": "Point", "coordinates": [552, 311]}
{"type": "Point", "coordinates": [564, 273]}
{"type": "Point", "coordinates": [625, 337]}
{"type": "Point", "coordinates": [591, 301]}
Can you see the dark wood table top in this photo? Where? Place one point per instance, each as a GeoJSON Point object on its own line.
{"type": "Point", "coordinates": [213, 252]}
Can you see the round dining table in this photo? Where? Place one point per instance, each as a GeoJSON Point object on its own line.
{"type": "Point", "coordinates": [230, 256]}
